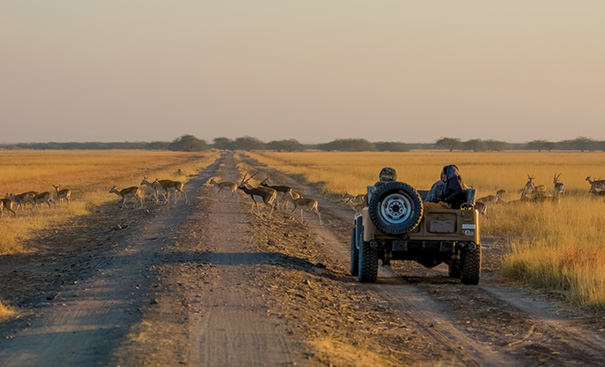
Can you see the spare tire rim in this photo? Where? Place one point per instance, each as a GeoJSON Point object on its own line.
{"type": "Point", "coordinates": [396, 208]}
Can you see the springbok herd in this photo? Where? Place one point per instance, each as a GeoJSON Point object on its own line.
{"type": "Point", "coordinates": [12, 202]}
{"type": "Point", "coordinates": [273, 196]}
{"type": "Point", "coordinates": [156, 191]}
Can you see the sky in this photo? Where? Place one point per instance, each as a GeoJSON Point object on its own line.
{"type": "Point", "coordinates": [384, 70]}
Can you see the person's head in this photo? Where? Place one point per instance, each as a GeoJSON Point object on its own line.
{"type": "Point", "coordinates": [450, 171]}
{"type": "Point", "coordinates": [387, 174]}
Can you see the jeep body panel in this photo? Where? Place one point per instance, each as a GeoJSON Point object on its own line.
{"type": "Point", "coordinates": [438, 224]}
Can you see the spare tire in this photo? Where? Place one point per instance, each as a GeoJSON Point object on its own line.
{"type": "Point", "coordinates": [395, 208]}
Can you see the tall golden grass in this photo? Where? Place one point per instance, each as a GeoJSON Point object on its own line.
{"type": "Point", "coordinates": [89, 174]}
{"type": "Point", "coordinates": [554, 245]}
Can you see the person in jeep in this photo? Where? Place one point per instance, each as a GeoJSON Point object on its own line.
{"type": "Point", "coordinates": [436, 192]}
{"type": "Point", "coordinates": [449, 188]}
{"type": "Point", "coordinates": [454, 187]}
{"type": "Point", "coordinates": [387, 174]}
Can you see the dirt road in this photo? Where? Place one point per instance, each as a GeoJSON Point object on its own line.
{"type": "Point", "coordinates": [214, 284]}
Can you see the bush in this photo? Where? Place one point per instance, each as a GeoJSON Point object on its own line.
{"type": "Point", "coordinates": [348, 145]}
{"type": "Point", "coordinates": [387, 146]}
{"type": "Point", "coordinates": [187, 143]}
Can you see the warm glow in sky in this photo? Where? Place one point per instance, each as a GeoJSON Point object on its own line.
{"type": "Point", "coordinates": [413, 71]}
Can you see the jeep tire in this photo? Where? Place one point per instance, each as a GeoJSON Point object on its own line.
{"type": "Point", "coordinates": [368, 263]}
{"type": "Point", "coordinates": [471, 265]}
{"type": "Point", "coordinates": [395, 208]}
{"type": "Point", "coordinates": [354, 255]}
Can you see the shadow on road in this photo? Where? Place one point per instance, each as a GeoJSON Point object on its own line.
{"type": "Point", "coordinates": [251, 259]}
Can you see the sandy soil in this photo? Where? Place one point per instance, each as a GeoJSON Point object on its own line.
{"type": "Point", "coordinates": [213, 284]}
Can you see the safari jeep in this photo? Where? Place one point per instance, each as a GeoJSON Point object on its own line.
{"type": "Point", "coordinates": [396, 225]}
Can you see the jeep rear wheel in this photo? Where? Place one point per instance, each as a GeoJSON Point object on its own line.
{"type": "Point", "coordinates": [354, 256]}
{"type": "Point", "coordinates": [395, 208]}
{"type": "Point", "coordinates": [368, 263]}
{"type": "Point", "coordinates": [471, 266]}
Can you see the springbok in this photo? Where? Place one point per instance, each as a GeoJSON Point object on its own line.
{"type": "Point", "coordinates": [355, 202]}
{"type": "Point", "coordinates": [284, 192]}
{"type": "Point", "coordinates": [528, 188]}
{"type": "Point", "coordinates": [63, 194]}
{"type": "Point", "coordinates": [531, 191]}
{"type": "Point", "coordinates": [168, 186]}
{"type": "Point", "coordinates": [224, 185]}
{"type": "Point", "coordinates": [481, 208]}
{"type": "Point", "coordinates": [494, 199]}
{"type": "Point", "coordinates": [24, 198]}
{"type": "Point", "coordinates": [595, 185]}
{"type": "Point", "coordinates": [44, 198]}
{"type": "Point", "coordinates": [306, 204]}
{"type": "Point", "coordinates": [482, 203]}
{"type": "Point", "coordinates": [8, 204]}
{"type": "Point", "coordinates": [265, 194]}
{"type": "Point", "coordinates": [148, 190]}
{"type": "Point", "coordinates": [131, 193]}
{"type": "Point", "coordinates": [559, 187]}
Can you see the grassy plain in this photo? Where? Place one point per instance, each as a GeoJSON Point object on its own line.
{"type": "Point", "coordinates": [556, 246]}
{"type": "Point", "coordinates": [89, 174]}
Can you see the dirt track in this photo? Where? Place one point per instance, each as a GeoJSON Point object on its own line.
{"type": "Point", "coordinates": [212, 284]}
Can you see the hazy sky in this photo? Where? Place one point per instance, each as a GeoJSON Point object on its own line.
{"type": "Point", "coordinates": [413, 71]}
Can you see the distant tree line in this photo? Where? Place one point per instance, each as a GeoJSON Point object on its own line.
{"type": "Point", "coordinates": [478, 145]}
{"type": "Point", "coordinates": [190, 143]}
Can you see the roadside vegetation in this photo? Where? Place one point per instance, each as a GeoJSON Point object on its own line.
{"type": "Point", "coordinates": [558, 246]}
{"type": "Point", "coordinates": [89, 174]}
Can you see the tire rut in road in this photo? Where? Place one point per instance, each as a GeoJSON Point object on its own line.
{"type": "Point", "coordinates": [233, 327]}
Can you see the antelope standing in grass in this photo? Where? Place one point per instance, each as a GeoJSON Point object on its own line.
{"type": "Point", "coordinates": [559, 187]}
{"type": "Point", "coordinates": [23, 199]}
{"type": "Point", "coordinates": [8, 204]}
{"type": "Point", "coordinates": [284, 192]}
{"type": "Point", "coordinates": [481, 208]}
{"type": "Point", "coordinates": [167, 186]}
{"type": "Point", "coordinates": [596, 184]}
{"type": "Point", "coordinates": [531, 191]}
{"type": "Point", "coordinates": [224, 185]}
{"type": "Point", "coordinates": [44, 198]}
{"type": "Point", "coordinates": [494, 199]}
{"type": "Point", "coordinates": [148, 190]}
{"type": "Point", "coordinates": [129, 193]}
{"type": "Point", "coordinates": [307, 204]}
{"type": "Point", "coordinates": [482, 203]}
{"type": "Point", "coordinates": [257, 194]}
{"type": "Point", "coordinates": [528, 188]}
{"type": "Point", "coordinates": [63, 194]}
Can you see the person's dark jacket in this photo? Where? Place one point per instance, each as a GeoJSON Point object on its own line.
{"type": "Point", "coordinates": [454, 187]}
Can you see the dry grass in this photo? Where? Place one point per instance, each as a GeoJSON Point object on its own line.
{"type": "Point", "coordinates": [89, 174]}
{"type": "Point", "coordinates": [557, 246]}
